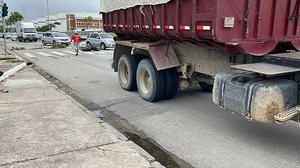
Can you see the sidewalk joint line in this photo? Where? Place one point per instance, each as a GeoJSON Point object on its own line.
{"type": "Point", "coordinates": [82, 149]}
{"type": "Point", "coordinates": [56, 154]}
{"type": "Point", "coordinates": [18, 161]}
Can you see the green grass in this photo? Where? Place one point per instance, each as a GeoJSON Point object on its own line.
{"type": "Point", "coordinates": [57, 45]}
{"type": "Point", "coordinates": [17, 48]}
{"type": "Point", "coordinates": [14, 61]}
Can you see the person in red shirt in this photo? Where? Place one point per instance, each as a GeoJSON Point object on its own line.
{"type": "Point", "coordinates": [76, 42]}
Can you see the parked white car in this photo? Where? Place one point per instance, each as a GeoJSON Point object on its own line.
{"type": "Point", "coordinates": [14, 37]}
{"type": "Point", "coordinates": [8, 35]}
{"type": "Point", "coordinates": [56, 37]}
{"type": "Point", "coordinates": [100, 40]}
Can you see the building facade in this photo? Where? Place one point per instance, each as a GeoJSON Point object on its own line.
{"type": "Point", "coordinates": [72, 21]}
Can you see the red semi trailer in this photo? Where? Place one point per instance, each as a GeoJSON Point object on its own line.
{"type": "Point", "coordinates": [246, 48]}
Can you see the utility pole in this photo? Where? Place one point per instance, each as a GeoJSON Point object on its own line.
{"type": "Point", "coordinates": [23, 9]}
{"type": "Point", "coordinates": [4, 27]}
{"type": "Point", "coordinates": [48, 15]}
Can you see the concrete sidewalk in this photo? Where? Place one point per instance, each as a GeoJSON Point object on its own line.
{"type": "Point", "coordinates": [40, 126]}
{"type": "Point", "coordinates": [9, 65]}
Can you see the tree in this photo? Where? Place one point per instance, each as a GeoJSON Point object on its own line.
{"type": "Point", "coordinates": [46, 27]}
{"type": "Point", "coordinates": [14, 18]}
{"type": "Point", "coordinates": [88, 19]}
{"type": "Point", "coordinates": [57, 23]}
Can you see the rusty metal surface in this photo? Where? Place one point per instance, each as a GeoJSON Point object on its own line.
{"type": "Point", "coordinates": [163, 56]}
{"type": "Point", "coordinates": [135, 44]}
{"type": "Point", "coordinates": [161, 52]}
{"type": "Point", "coordinates": [256, 25]}
{"type": "Point", "coordinates": [267, 69]}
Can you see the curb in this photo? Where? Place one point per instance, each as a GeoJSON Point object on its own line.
{"type": "Point", "coordinates": [12, 71]}
{"type": "Point", "coordinates": [153, 163]}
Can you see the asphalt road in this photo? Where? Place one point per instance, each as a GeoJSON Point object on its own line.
{"type": "Point", "coordinates": [189, 126]}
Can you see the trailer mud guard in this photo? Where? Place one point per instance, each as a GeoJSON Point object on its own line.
{"type": "Point", "coordinates": [118, 52]}
{"type": "Point", "coordinates": [162, 54]}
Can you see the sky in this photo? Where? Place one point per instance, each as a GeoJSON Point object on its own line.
{"type": "Point", "coordinates": [38, 8]}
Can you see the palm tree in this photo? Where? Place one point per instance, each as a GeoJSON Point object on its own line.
{"type": "Point", "coordinates": [14, 17]}
{"type": "Point", "coordinates": [88, 19]}
{"type": "Point", "coordinates": [57, 23]}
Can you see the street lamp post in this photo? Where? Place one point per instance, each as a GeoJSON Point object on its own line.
{"type": "Point", "coordinates": [48, 14]}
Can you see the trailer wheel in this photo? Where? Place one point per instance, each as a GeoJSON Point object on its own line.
{"type": "Point", "coordinates": [127, 67]}
{"type": "Point", "coordinates": [206, 87]}
{"type": "Point", "coordinates": [150, 82]}
{"type": "Point", "coordinates": [172, 81]}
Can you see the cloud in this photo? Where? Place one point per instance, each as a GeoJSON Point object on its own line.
{"type": "Point", "coordinates": [38, 8]}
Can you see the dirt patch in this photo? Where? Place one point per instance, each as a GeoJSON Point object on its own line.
{"type": "Point", "coordinates": [268, 102]}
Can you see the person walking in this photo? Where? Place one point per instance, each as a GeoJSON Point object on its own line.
{"type": "Point", "coordinates": [76, 42]}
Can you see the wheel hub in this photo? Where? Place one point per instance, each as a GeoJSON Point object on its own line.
{"type": "Point", "coordinates": [145, 81]}
{"type": "Point", "coordinates": [124, 73]}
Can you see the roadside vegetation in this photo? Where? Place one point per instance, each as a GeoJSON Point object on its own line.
{"type": "Point", "coordinates": [48, 27]}
{"type": "Point", "coordinates": [13, 18]}
{"type": "Point", "coordinates": [57, 45]}
{"type": "Point", "coordinates": [17, 48]}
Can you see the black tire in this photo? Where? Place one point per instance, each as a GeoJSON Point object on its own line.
{"type": "Point", "coordinates": [96, 48]}
{"type": "Point", "coordinates": [172, 83]}
{"type": "Point", "coordinates": [44, 43]}
{"type": "Point", "coordinates": [206, 87]}
{"type": "Point", "coordinates": [54, 42]}
{"type": "Point", "coordinates": [127, 67]}
{"type": "Point", "coordinates": [88, 44]}
{"type": "Point", "coordinates": [102, 46]}
{"type": "Point", "coordinates": [150, 82]}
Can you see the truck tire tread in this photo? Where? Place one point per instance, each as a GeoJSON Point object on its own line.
{"type": "Point", "coordinates": [157, 79]}
{"type": "Point", "coordinates": [131, 63]}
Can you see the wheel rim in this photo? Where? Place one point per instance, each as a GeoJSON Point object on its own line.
{"type": "Point", "coordinates": [145, 81]}
{"type": "Point", "coordinates": [102, 47]}
{"type": "Point", "coordinates": [124, 73]}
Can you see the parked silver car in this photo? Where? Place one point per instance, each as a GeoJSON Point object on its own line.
{"type": "Point", "coordinates": [100, 40]}
{"type": "Point", "coordinates": [56, 37]}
